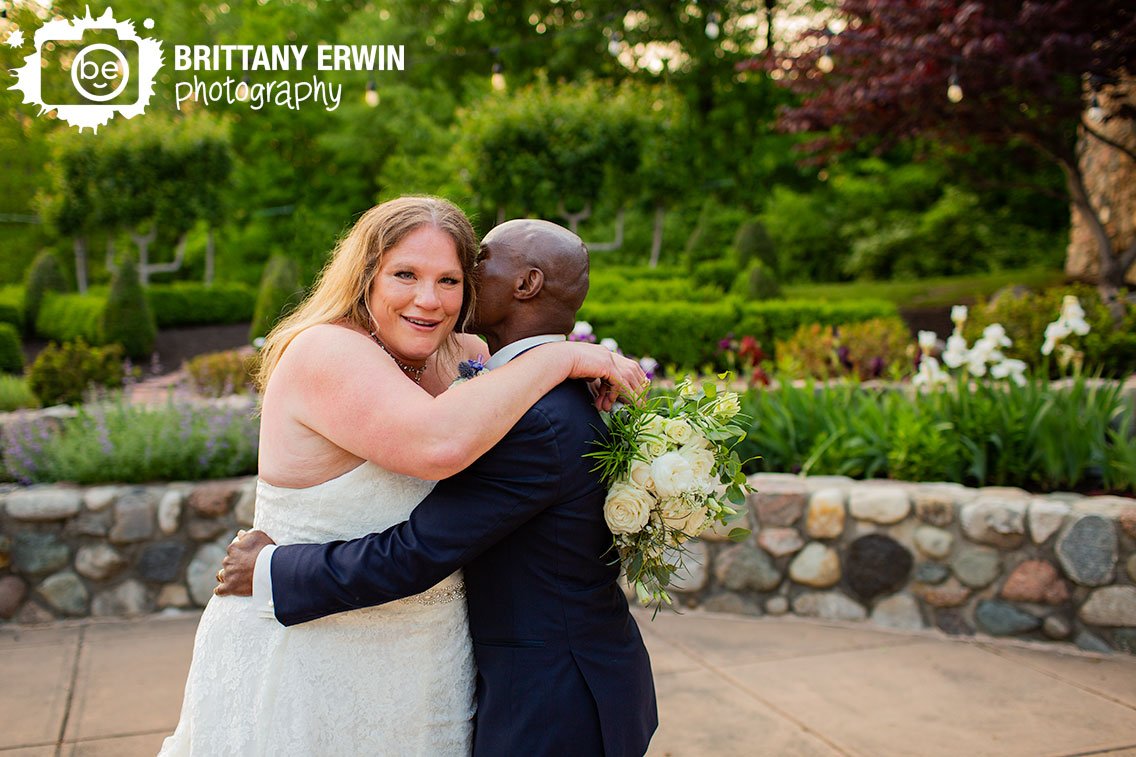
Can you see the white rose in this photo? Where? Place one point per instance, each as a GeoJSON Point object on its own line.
{"type": "Point", "coordinates": [678, 430]}
{"type": "Point", "coordinates": [652, 424]}
{"type": "Point", "coordinates": [627, 509]}
{"type": "Point", "coordinates": [695, 522]}
{"type": "Point", "coordinates": [672, 475]}
{"type": "Point", "coordinates": [701, 462]}
{"type": "Point", "coordinates": [640, 475]}
{"type": "Point", "coordinates": [698, 441]}
{"type": "Point", "coordinates": [727, 405]}
{"type": "Point", "coordinates": [652, 447]}
{"type": "Point", "coordinates": [689, 390]}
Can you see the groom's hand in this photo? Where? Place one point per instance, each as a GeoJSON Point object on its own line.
{"type": "Point", "coordinates": [235, 576]}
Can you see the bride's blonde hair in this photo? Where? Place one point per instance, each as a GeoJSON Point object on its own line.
{"type": "Point", "coordinates": [340, 292]}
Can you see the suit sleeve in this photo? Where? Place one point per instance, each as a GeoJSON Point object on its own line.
{"type": "Point", "coordinates": [460, 519]}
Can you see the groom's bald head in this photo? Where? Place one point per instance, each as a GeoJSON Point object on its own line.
{"type": "Point", "coordinates": [532, 278]}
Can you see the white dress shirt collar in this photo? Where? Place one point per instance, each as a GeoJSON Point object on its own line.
{"type": "Point", "coordinates": [510, 351]}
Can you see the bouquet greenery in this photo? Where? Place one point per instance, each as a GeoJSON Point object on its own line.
{"type": "Point", "coordinates": [673, 472]}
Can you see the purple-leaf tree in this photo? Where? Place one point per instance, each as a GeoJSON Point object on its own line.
{"type": "Point", "coordinates": [998, 71]}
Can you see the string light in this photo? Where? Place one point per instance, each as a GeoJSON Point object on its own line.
{"type": "Point", "coordinates": [1096, 112]}
{"type": "Point", "coordinates": [372, 95]}
{"type": "Point", "coordinates": [243, 97]}
{"type": "Point", "coordinates": [954, 89]}
{"type": "Point", "coordinates": [713, 29]}
{"type": "Point", "coordinates": [498, 78]}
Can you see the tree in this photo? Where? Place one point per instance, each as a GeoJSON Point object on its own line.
{"type": "Point", "coordinates": [1003, 72]}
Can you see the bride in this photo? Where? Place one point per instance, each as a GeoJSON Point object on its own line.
{"type": "Point", "coordinates": [358, 422]}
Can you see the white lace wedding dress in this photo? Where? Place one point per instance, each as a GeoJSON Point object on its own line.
{"type": "Point", "coordinates": [391, 680]}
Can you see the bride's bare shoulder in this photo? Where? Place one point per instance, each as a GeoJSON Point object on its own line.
{"type": "Point", "coordinates": [470, 347]}
{"type": "Point", "coordinates": [325, 341]}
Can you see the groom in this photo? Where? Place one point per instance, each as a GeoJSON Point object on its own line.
{"type": "Point", "coordinates": [561, 665]}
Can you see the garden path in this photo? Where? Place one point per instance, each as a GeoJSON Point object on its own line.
{"type": "Point", "coordinates": [727, 686]}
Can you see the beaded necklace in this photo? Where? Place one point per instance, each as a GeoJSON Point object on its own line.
{"type": "Point", "coordinates": [414, 372]}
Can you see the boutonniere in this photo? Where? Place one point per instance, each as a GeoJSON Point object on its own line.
{"type": "Point", "coordinates": [468, 369]}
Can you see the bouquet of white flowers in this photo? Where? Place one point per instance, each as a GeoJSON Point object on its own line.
{"type": "Point", "coordinates": [673, 472]}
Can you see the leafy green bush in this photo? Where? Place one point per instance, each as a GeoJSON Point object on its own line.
{"type": "Point", "coordinates": [120, 442]}
{"type": "Point", "coordinates": [11, 352]}
{"type": "Point", "coordinates": [279, 292]}
{"type": "Point", "coordinates": [221, 373]}
{"type": "Point", "coordinates": [44, 275]}
{"type": "Point", "coordinates": [15, 394]}
{"type": "Point", "coordinates": [875, 348]}
{"type": "Point", "coordinates": [1109, 348]}
{"type": "Point", "coordinates": [61, 374]}
{"type": "Point", "coordinates": [67, 317]}
{"type": "Point", "coordinates": [127, 319]}
{"type": "Point", "coordinates": [12, 305]}
{"type": "Point", "coordinates": [1040, 436]}
{"type": "Point", "coordinates": [188, 303]}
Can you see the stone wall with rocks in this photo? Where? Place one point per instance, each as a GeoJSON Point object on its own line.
{"type": "Point", "coordinates": [996, 561]}
{"type": "Point", "coordinates": [123, 550]}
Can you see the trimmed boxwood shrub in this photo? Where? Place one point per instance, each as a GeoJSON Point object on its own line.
{"type": "Point", "coordinates": [279, 292]}
{"type": "Point", "coordinates": [67, 317]}
{"type": "Point", "coordinates": [127, 319]}
{"type": "Point", "coordinates": [45, 275]}
{"type": "Point", "coordinates": [61, 374]}
{"type": "Point", "coordinates": [189, 303]}
{"type": "Point", "coordinates": [11, 355]}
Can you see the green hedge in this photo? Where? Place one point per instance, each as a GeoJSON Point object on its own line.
{"type": "Point", "coordinates": [12, 305]}
{"type": "Point", "coordinates": [616, 288]}
{"type": "Point", "coordinates": [11, 353]}
{"type": "Point", "coordinates": [67, 317]}
{"type": "Point", "coordinates": [188, 303]}
{"type": "Point", "coordinates": [687, 334]}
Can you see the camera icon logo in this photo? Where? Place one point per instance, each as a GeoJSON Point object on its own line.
{"type": "Point", "coordinates": [88, 70]}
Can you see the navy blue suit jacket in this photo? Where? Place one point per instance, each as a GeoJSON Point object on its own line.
{"type": "Point", "coordinates": [562, 669]}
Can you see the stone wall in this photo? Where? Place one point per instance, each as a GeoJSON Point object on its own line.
{"type": "Point", "coordinates": [996, 561]}
{"type": "Point", "coordinates": [123, 550]}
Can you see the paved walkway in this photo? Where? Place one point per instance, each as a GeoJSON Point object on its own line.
{"type": "Point", "coordinates": [727, 686]}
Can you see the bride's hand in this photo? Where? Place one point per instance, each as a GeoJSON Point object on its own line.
{"type": "Point", "coordinates": [617, 375]}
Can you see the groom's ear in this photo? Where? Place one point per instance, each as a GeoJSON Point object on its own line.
{"type": "Point", "coordinates": [529, 284]}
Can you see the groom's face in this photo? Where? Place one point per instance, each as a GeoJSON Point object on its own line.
{"type": "Point", "coordinates": [497, 270]}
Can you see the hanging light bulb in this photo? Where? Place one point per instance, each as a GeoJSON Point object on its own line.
{"type": "Point", "coordinates": [825, 62]}
{"type": "Point", "coordinates": [712, 27]}
{"type": "Point", "coordinates": [243, 95]}
{"type": "Point", "coordinates": [613, 46]}
{"type": "Point", "coordinates": [1096, 112]}
{"type": "Point", "coordinates": [498, 78]}
{"type": "Point", "coordinates": [372, 95]}
{"type": "Point", "coordinates": [954, 89]}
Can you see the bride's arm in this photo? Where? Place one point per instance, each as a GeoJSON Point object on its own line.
{"type": "Point", "coordinates": [338, 383]}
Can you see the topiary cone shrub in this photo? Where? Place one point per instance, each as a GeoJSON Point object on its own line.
{"type": "Point", "coordinates": [44, 275]}
{"type": "Point", "coordinates": [127, 319]}
{"type": "Point", "coordinates": [278, 294]}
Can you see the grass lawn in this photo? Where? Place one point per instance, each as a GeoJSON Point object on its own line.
{"type": "Point", "coordinates": [935, 292]}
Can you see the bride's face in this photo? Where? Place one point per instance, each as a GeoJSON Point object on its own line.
{"type": "Point", "coordinates": [417, 294]}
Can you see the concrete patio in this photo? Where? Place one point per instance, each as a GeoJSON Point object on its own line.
{"type": "Point", "coordinates": [727, 686]}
